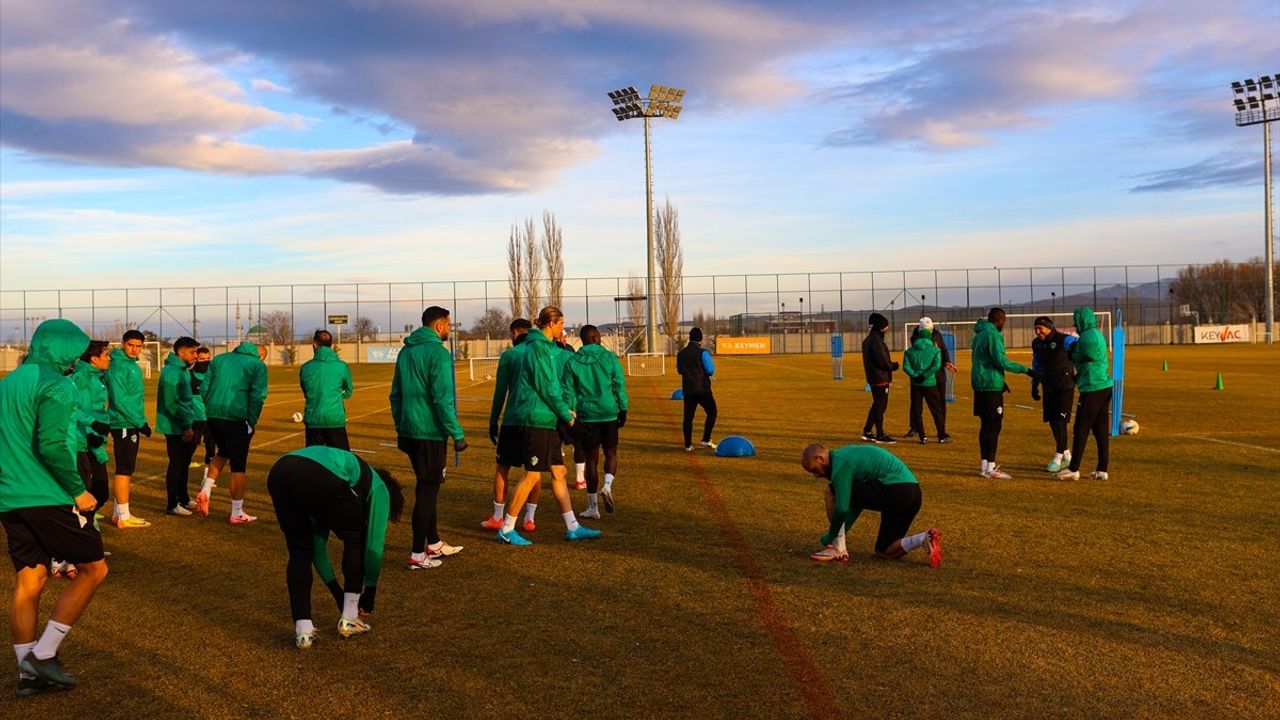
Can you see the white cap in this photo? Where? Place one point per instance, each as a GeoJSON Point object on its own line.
{"type": "Point", "coordinates": [926, 323]}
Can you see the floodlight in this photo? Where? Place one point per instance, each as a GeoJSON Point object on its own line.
{"type": "Point", "coordinates": [1259, 106]}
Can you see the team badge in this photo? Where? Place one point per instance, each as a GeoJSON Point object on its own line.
{"type": "Point", "coordinates": [533, 460]}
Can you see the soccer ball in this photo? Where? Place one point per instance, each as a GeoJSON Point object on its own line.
{"type": "Point", "coordinates": [1129, 427]}
{"type": "Point", "coordinates": [297, 417]}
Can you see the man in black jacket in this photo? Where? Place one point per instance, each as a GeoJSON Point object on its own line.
{"type": "Point", "coordinates": [1051, 359]}
{"type": "Point", "coordinates": [879, 368]}
{"type": "Point", "coordinates": [696, 368]}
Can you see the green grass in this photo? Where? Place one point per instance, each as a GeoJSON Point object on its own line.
{"type": "Point", "coordinates": [1152, 595]}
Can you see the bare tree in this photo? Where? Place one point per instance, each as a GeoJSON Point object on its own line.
{"type": "Point", "coordinates": [515, 271]}
{"type": "Point", "coordinates": [278, 326]}
{"type": "Point", "coordinates": [669, 258]}
{"type": "Point", "coordinates": [532, 269]}
{"type": "Point", "coordinates": [365, 329]}
{"type": "Point", "coordinates": [635, 307]}
{"type": "Point", "coordinates": [553, 253]}
{"type": "Point", "coordinates": [492, 324]}
{"type": "Point", "coordinates": [1224, 291]}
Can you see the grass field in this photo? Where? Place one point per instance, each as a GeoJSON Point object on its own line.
{"type": "Point", "coordinates": [1151, 595]}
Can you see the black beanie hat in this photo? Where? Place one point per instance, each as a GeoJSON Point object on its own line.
{"type": "Point", "coordinates": [695, 335]}
{"type": "Point", "coordinates": [1044, 321]}
{"type": "Point", "coordinates": [878, 321]}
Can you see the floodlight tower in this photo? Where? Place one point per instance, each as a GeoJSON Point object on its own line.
{"type": "Point", "coordinates": [1257, 103]}
{"type": "Point", "coordinates": [627, 105]}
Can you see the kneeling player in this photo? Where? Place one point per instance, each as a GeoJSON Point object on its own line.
{"type": "Point", "coordinates": [861, 477]}
{"type": "Point", "coordinates": [318, 490]}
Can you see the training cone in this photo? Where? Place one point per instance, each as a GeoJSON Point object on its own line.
{"type": "Point", "coordinates": [1164, 366]}
{"type": "Point", "coordinates": [1218, 384]}
{"type": "Point", "coordinates": [735, 446]}
{"type": "Point", "coordinates": [678, 394]}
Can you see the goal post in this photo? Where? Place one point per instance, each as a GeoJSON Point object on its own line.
{"type": "Point", "coordinates": [646, 364]}
{"type": "Point", "coordinates": [483, 368]}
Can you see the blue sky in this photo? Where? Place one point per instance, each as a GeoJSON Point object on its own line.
{"type": "Point", "coordinates": [163, 142]}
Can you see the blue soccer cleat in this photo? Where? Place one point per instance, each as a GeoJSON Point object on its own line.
{"type": "Point", "coordinates": [582, 532]}
{"type": "Point", "coordinates": [511, 537]}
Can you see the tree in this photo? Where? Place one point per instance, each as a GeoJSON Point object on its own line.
{"type": "Point", "coordinates": [515, 271]}
{"type": "Point", "coordinates": [635, 306]}
{"type": "Point", "coordinates": [492, 324]}
{"type": "Point", "coordinates": [669, 257]}
{"type": "Point", "coordinates": [365, 329]}
{"type": "Point", "coordinates": [532, 269]}
{"type": "Point", "coordinates": [553, 254]}
{"type": "Point", "coordinates": [278, 326]}
{"type": "Point", "coordinates": [1224, 291]}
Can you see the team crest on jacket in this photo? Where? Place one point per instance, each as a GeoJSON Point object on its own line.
{"type": "Point", "coordinates": [533, 460]}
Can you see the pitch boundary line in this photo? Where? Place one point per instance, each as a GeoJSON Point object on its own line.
{"type": "Point", "coordinates": [1237, 444]}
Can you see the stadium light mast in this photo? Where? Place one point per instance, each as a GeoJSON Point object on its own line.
{"type": "Point", "coordinates": [1258, 103]}
{"type": "Point", "coordinates": [627, 105]}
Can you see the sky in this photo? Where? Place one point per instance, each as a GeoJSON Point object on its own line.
{"type": "Point", "coordinates": [177, 143]}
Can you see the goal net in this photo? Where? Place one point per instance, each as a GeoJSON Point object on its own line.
{"type": "Point", "coordinates": [484, 369]}
{"type": "Point", "coordinates": [646, 364]}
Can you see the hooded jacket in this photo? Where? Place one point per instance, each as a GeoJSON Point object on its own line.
{"type": "Point", "coordinates": [876, 362]}
{"type": "Point", "coordinates": [38, 422]}
{"type": "Point", "coordinates": [366, 484]}
{"type": "Point", "coordinates": [922, 361]}
{"type": "Point", "coordinates": [422, 389]}
{"type": "Point", "coordinates": [236, 385]}
{"type": "Point", "coordinates": [594, 375]}
{"type": "Point", "coordinates": [1089, 354]}
{"type": "Point", "coordinates": [989, 361]}
{"type": "Point", "coordinates": [539, 391]}
{"type": "Point", "coordinates": [125, 392]}
{"type": "Point", "coordinates": [326, 382]}
{"type": "Point", "coordinates": [1051, 358]}
{"type": "Point", "coordinates": [175, 408]}
{"type": "Point", "coordinates": [510, 365]}
{"type": "Point", "coordinates": [197, 384]}
{"type": "Point", "coordinates": [91, 407]}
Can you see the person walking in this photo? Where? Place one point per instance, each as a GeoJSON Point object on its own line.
{"type": "Point", "coordinates": [234, 392]}
{"type": "Point", "coordinates": [696, 368]}
{"type": "Point", "coordinates": [600, 400]}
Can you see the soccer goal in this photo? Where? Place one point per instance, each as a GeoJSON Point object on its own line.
{"type": "Point", "coordinates": [484, 369]}
{"type": "Point", "coordinates": [646, 364]}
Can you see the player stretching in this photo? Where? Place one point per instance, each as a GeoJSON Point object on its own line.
{"type": "Point", "coordinates": [541, 395]}
{"type": "Point", "coordinates": [320, 490]}
{"type": "Point", "coordinates": [425, 418]}
{"type": "Point", "coordinates": [128, 423]}
{"type": "Point", "coordinates": [1094, 379]}
{"type": "Point", "coordinates": [987, 378]}
{"type": "Point", "coordinates": [509, 437]}
{"type": "Point", "coordinates": [600, 398]}
{"type": "Point", "coordinates": [44, 507]}
{"type": "Point", "coordinates": [326, 382]}
{"type": "Point", "coordinates": [1051, 361]}
{"type": "Point", "coordinates": [234, 391]}
{"type": "Point", "coordinates": [861, 477]}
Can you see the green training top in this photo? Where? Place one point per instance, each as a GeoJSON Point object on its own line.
{"type": "Point", "coordinates": [860, 464]}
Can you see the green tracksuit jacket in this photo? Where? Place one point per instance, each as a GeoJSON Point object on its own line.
{"type": "Point", "coordinates": [38, 422]}
{"type": "Point", "coordinates": [175, 408]}
{"type": "Point", "coordinates": [236, 386]}
{"type": "Point", "coordinates": [377, 506]}
{"type": "Point", "coordinates": [989, 361]}
{"type": "Point", "coordinates": [859, 464]}
{"type": "Point", "coordinates": [539, 393]}
{"type": "Point", "coordinates": [326, 382]}
{"type": "Point", "coordinates": [510, 365]}
{"type": "Point", "coordinates": [422, 389]}
{"type": "Point", "coordinates": [594, 374]}
{"type": "Point", "coordinates": [922, 361]}
{"type": "Point", "coordinates": [125, 392]}
{"type": "Point", "coordinates": [1089, 354]}
{"type": "Point", "coordinates": [91, 407]}
{"type": "Point", "coordinates": [197, 393]}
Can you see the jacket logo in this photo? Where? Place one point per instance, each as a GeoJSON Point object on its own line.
{"type": "Point", "coordinates": [533, 460]}
{"type": "Point", "coordinates": [1000, 410]}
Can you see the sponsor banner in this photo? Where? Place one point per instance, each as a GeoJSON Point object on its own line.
{"type": "Point", "coordinates": [743, 346]}
{"type": "Point", "coordinates": [381, 354]}
{"type": "Point", "coordinates": [1214, 334]}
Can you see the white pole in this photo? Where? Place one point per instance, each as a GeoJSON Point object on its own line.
{"type": "Point", "coordinates": [1270, 250]}
{"type": "Point", "coordinates": [648, 223]}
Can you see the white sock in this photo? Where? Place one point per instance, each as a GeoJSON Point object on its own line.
{"type": "Point", "coordinates": [591, 501]}
{"type": "Point", "coordinates": [47, 646]}
{"type": "Point", "coordinates": [418, 557]}
{"type": "Point", "coordinates": [570, 522]}
{"type": "Point", "coordinates": [911, 542]}
{"type": "Point", "coordinates": [529, 510]}
{"type": "Point", "coordinates": [122, 510]}
{"type": "Point", "coordinates": [497, 510]}
{"type": "Point", "coordinates": [1057, 458]}
{"type": "Point", "coordinates": [21, 651]}
{"type": "Point", "coordinates": [986, 466]}
{"type": "Point", "coordinates": [608, 481]}
{"type": "Point", "coordinates": [303, 627]}
{"type": "Point", "coordinates": [839, 543]}
{"type": "Point", "coordinates": [207, 488]}
{"type": "Point", "coordinates": [237, 508]}
{"type": "Point", "coordinates": [509, 523]}
{"type": "Point", "coordinates": [350, 605]}
{"type": "Point", "coordinates": [582, 471]}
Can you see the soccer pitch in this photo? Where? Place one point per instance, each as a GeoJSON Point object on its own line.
{"type": "Point", "coordinates": [1151, 595]}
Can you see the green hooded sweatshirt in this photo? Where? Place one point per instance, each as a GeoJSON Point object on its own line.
{"type": "Point", "coordinates": [326, 382]}
{"type": "Point", "coordinates": [236, 385]}
{"type": "Point", "coordinates": [1089, 355]}
{"type": "Point", "coordinates": [922, 361]}
{"type": "Point", "coordinates": [175, 408]}
{"type": "Point", "coordinates": [510, 365]}
{"type": "Point", "coordinates": [594, 374]}
{"type": "Point", "coordinates": [197, 395]}
{"type": "Point", "coordinates": [91, 407]}
{"type": "Point", "coordinates": [125, 391]}
{"type": "Point", "coordinates": [540, 391]}
{"type": "Point", "coordinates": [860, 464]}
{"type": "Point", "coordinates": [377, 506]}
{"type": "Point", "coordinates": [989, 361]}
{"type": "Point", "coordinates": [38, 422]}
{"type": "Point", "coordinates": [422, 389]}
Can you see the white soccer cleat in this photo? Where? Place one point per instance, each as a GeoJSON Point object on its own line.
{"type": "Point", "coordinates": [708, 444]}
{"type": "Point", "coordinates": [304, 641]}
{"type": "Point", "coordinates": [593, 513]}
{"type": "Point", "coordinates": [829, 554]}
{"type": "Point", "coordinates": [350, 627]}
{"type": "Point", "coordinates": [425, 563]}
{"type": "Point", "coordinates": [1099, 475]}
{"type": "Point", "coordinates": [1068, 474]}
{"type": "Point", "coordinates": [995, 473]}
{"type": "Point", "coordinates": [443, 549]}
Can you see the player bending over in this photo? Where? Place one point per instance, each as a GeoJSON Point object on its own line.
{"type": "Point", "coordinates": [861, 477]}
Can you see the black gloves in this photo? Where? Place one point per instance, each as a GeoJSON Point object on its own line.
{"type": "Point", "coordinates": [460, 445]}
{"type": "Point", "coordinates": [195, 385]}
{"type": "Point", "coordinates": [622, 418]}
{"type": "Point", "coordinates": [894, 366]}
{"type": "Point", "coordinates": [145, 430]}
{"type": "Point", "coordinates": [366, 600]}
{"type": "Point", "coordinates": [1035, 390]}
{"type": "Point", "coordinates": [95, 441]}
{"type": "Point", "coordinates": [101, 428]}
{"type": "Point", "coordinates": [493, 433]}
{"type": "Point", "coordinates": [336, 591]}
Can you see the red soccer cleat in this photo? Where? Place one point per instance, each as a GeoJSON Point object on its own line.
{"type": "Point", "coordinates": [491, 524]}
{"type": "Point", "coordinates": [529, 526]}
{"type": "Point", "coordinates": [934, 544]}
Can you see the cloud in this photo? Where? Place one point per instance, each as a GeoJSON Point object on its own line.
{"type": "Point", "coordinates": [1214, 172]}
{"type": "Point", "coordinates": [47, 188]}
{"type": "Point", "coordinates": [263, 85]}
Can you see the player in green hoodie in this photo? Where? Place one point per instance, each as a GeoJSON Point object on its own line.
{"type": "Point", "coordinates": [198, 372]}
{"type": "Point", "coordinates": [176, 419]}
{"type": "Point", "coordinates": [595, 376]}
{"type": "Point", "coordinates": [921, 363]}
{"type": "Point", "coordinates": [508, 437]}
{"type": "Point", "coordinates": [234, 391]}
{"type": "Point", "coordinates": [425, 418]}
{"type": "Point", "coordinates": [44, 507]}
{"type": "Point", "coordinates": [128, 423]}
{"type": "Point", "coordinates": [326, 382]}
{"type": "Point", "coordinates": [1093, 378]}
{"type": "Point", "coordinates": [93, 419]}
{"type": "Point", "coordinates": [987, 377]}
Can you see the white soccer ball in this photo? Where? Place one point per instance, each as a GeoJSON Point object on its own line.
{"type": "Point", "coordinates": [297, 417]}
{"type": "Point", "coordinates": [1129, 427]}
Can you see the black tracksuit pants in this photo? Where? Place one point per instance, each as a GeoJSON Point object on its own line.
{"type": "Point", "coordinates": [691, 403]}
{"type": "Point", "coordinates": [875, 415]}
{"type": "Point", "coordinates": [176, 475]}
{"type": "Point", "coordinates": [1092, 416]}
{"type": "Point", "coordinates": [931, 396]}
